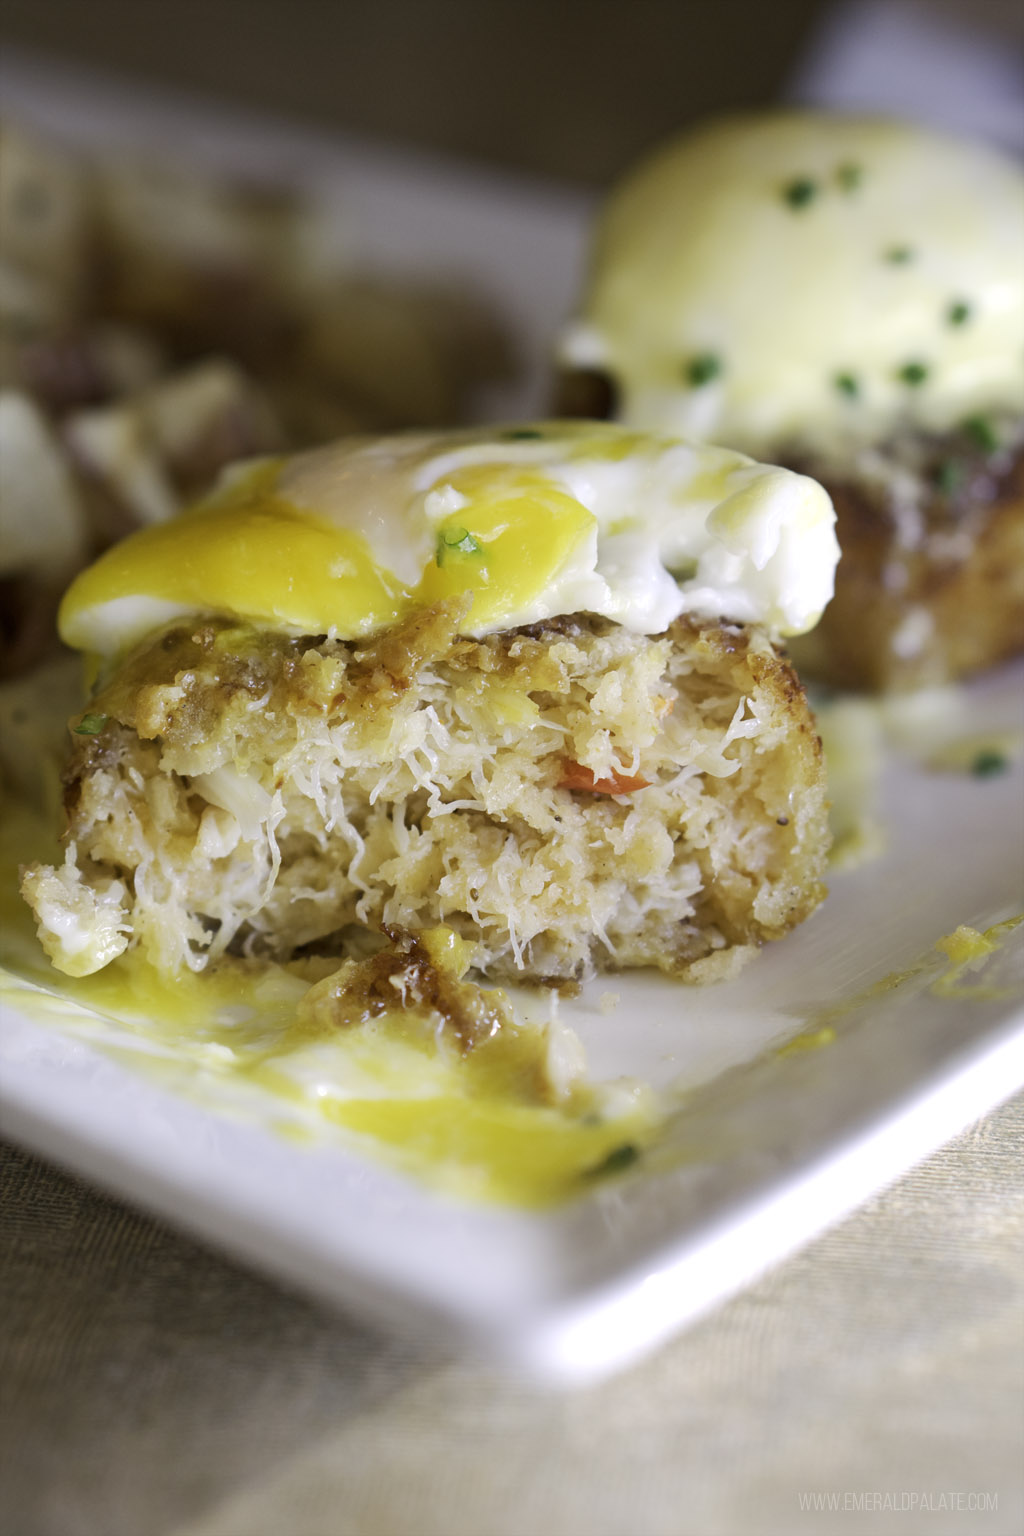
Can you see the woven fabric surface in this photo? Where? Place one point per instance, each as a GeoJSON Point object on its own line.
{"type": "Point", "coordinates": [150, 1388]}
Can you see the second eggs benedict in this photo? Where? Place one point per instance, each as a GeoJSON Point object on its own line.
{"type": "Point", "coordinates": [846, 296]}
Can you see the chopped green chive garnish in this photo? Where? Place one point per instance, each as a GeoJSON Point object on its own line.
{"type": "Point", "coordinates": [703, 368]}
{"type": "Point", "coordinates": [848, 384]}
{"type": "Point", "coordinates": [949, 476]}
{"type": "Point", "coordinates": [91, 725]}
{"type": "Point", "coordinates": [455, 540]}
{"type": "Point", "coordinates": [521, 434]}
{"type": "Point", "coordinates": [981, 431]}
{"type": "Point", "coordinates": [958, 313]}
{"type": "Point", "coordinates": [800, 191]}
{"type": "Point", "coordinates": [618, 1159]}
{"type": "Point", "coordinates": [988, 763]}
{"type": "Point", "coordinates": [913, 373]}
{"type": "Point", "coordinates": [849, 176]}
{"type": "Point", "coordinates": [899, 255]}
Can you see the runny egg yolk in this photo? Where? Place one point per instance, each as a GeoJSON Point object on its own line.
{"type": "Point", "coordinates": [516, 533]}
{"type": "Point", "coordinates": [252, 555]}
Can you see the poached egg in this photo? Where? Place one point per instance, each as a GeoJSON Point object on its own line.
{"type": "Point", "coordinates": [524, 522]}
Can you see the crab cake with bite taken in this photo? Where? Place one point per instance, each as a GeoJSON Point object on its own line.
{"type": "Point", "coordinates": [524, 683]}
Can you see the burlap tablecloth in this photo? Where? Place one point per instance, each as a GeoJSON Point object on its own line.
{"type": "Point", "coordinates": [151, 1388]}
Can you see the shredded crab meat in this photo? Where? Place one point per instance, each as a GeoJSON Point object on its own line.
{"type": "Point", "coordinates": [261, 796]}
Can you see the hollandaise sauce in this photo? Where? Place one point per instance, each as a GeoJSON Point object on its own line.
{"type": "Point", "coordinates": [809, 278]}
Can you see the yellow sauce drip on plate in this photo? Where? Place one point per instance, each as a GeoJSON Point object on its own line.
{"type": "Point", "coordinates": [482, 1126]}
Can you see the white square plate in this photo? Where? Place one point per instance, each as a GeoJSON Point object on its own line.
{"type": "Point", "coordinates": [761, 1146]}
